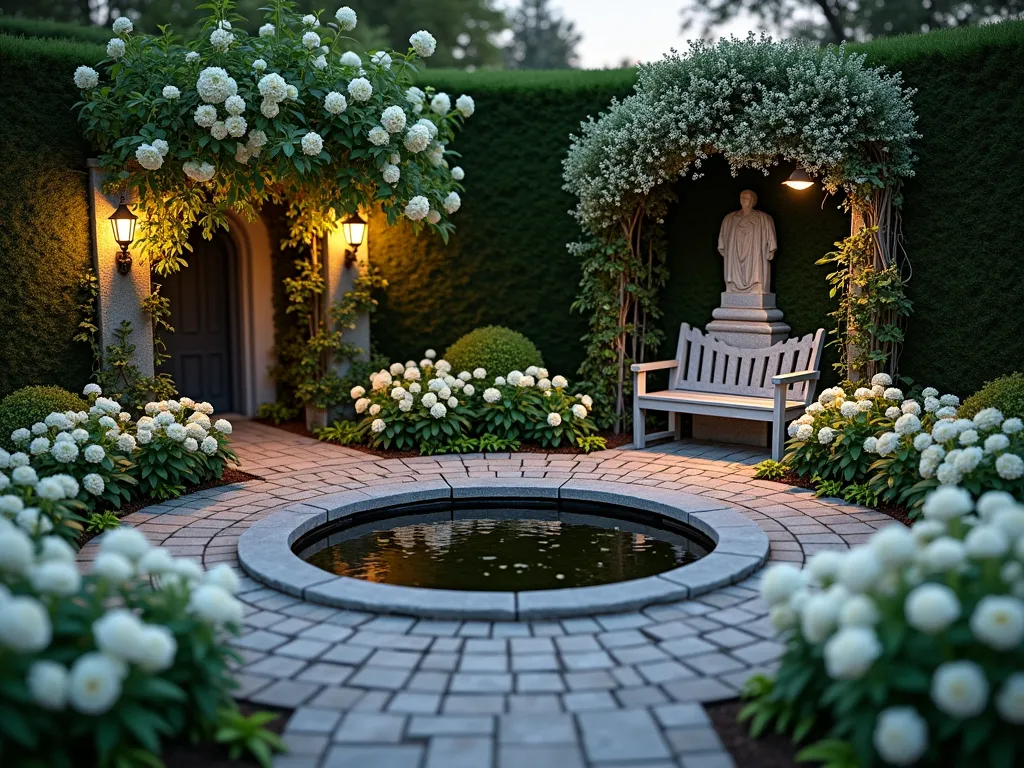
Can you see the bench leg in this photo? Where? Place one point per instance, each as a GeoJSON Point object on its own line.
{"type": "Point", "coordinates": [639, 427]}
{"type": "Point", "coordinates": [675, 425]}
{"type": "Point", "coordinates": [779, 424]}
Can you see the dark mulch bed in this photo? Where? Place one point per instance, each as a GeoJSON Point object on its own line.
{"type": "Point", "coordinates": [299, 428]}
{"type": "Point", "coordinates": [900, 514]}
{"type": "Point", "coordinates": [230, 476]}
{"type": "Point", "coordinates": [213, 755]}
{"type": "Point", "coordinates": [769, 751]}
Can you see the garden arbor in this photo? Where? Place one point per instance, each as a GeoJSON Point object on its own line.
{"type": "Point", "coordinates": [758, 103]}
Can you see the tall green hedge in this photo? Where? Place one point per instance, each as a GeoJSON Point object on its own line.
{"type": "Point", "coordinates": [44, 214]}
{"type": "Point", "coordinates": [507, 263]}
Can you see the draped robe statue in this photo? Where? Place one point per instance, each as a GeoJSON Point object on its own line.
{"type": "Point", "coordinates": [747, 243]}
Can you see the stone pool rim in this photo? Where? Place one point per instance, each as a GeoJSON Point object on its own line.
{"type": "Point", "coordinates": [265, 551]}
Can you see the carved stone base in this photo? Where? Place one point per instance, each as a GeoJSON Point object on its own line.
{"type": "Point", "coordinates": [748, 320]}
{"type": "Point", "coordinates": [725, 430]}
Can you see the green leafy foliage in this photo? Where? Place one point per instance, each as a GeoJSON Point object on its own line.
{"type": "Point", "coordinates": [860, 493]}
{"type": "Point", "coordinates": [1005, 394]}
{"type": "Point", "coordinates": [828, 488]}
{"type": "Point", "coordinates": [770, 470]}
{"type": "Point", "coordinates": [493, 348]}
{"type": "Point", "coordinates": [590, 443]}
{"type": "Point", "coordinates": [248, 735]}
{"type": "Point", "coordinates": [98, 522]}
{"type": "Point", "coordinates": [120, 376]}
{"type": "Point", "coordinates": [483, 444]}
{"type": "Point", "coordinates": [278, 413]}
{"type": "Point", "coordinates": [340, 432]}
{"type": "Point", "coordinates": [30, 405]}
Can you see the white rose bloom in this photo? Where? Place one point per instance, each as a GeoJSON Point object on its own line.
{"type": "Point", "coordinates": [818, 617]}
{"type": "Point", "coordinates": [465, 105]}
{"type": "Point", "coordinates": [1010, 700]}
{"type": "Point", "coordinates": [24, 625]}
{"type": "Point", "coordinates": [115, 48]}
{"type": "Point", "coordinates": [959, 689]}
{"type": "Point", "coordinates": [86, 78]}
{"type": "Point", "coordinates": [438, 411]}
{"type": "Point", "coordinates": [1012, 426]}
{"type": "Point", "coordinates": [417, 208]}
{"type": "Point", "coordinates": [453, 202]}
{"type": "Point", "coordinates": [346, 18]}
{"type": "Point", "coordinates": [94, 685]}
{"type": "Point", "coordinates": [901, 736]}
{"type": "Point", "coordinates": [1010, 466]}
{"type": "Point", "coordinates": [48, 684]}
{"type": "Point", "coordinates": [360, 89]}
{"type": "Point", "coordinates": [128, 542]}
{"type": "Point", "coordinates": [998, 622]}
{"type": "Point", "coordinates": [850, 653]}
{"type": "Point", "coordinates": [55, 577]}
{"type": "Point", "coordinates": [554, 419]}
{"type": "Point", "coordinates": [423, 43]}
{"type": "Point", "coordinates": [931, 608]}
{"type": "Point", "coordinates": [16, 550]}
{"type": "Point", "coordinates": [113, 567]}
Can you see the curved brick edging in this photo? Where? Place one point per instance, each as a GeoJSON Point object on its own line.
{"type": "Point", "coordinates": [265, 552]}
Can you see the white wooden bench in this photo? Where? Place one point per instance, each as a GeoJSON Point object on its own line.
{"type": "Point", "coordinates": [711, 378]}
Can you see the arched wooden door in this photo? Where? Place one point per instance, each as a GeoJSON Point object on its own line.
{"type": "Point", "coordinates": [204, 304]}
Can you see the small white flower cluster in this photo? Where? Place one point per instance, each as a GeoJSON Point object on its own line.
{"type": "Point", "coordinates": [36, 575]}
{"type": "Point", "coordinates": [928, 579]}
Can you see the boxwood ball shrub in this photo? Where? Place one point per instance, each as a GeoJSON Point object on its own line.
{"type": "Point", "coordinates": [493, 348]}
{"type": "Point", "coordinates": [29, 405]}
{"type": "Point", "coordinates": [1005, 393]}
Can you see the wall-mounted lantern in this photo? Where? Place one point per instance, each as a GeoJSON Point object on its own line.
{"type": "Point", "coordinates": [354, 229]}
{"type": "Point", "coordinates": [123, 221]}
{"type": "Point", "coordinates": [799, 179]}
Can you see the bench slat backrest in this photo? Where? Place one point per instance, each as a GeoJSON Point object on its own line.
{"type": "Point", "coordinates": [707, 364]}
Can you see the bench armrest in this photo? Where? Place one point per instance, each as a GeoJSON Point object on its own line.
{"type": "Point", "coordinates": [793, 378]}
{"type": "Point", "coordinates": [657, 366]}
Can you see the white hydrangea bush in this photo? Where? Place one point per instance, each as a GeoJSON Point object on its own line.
{"type": "Point", "coordinates": [74, 463]}
{"type": "Point", "coordinates": [233, 119]}
{"type": "Point", "coordinates": [100, 665]}
{"type": "Point", "coordinates": [909, 648]}
{"type": "Point", "coordinates": [416, 404]}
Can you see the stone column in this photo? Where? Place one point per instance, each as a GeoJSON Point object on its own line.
{"type": "Point", "coordinates": [119, 295]}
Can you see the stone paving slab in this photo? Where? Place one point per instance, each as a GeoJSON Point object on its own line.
{"type": "Point", "coordinates": [607, 690]}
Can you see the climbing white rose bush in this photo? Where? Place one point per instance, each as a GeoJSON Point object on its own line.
{"type": "Point", "coordinates": [232, 120]}
{"type": "Point", "coordinates": [427, 406]}
{"type": "Point", "coordinates": [909, 648]}
{"type": "Point", "coordinates": [100, 664]}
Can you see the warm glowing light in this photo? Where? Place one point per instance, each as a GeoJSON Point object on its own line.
{"type": "Point", "coordinates": [354, 228]}
{"type": "Point", "coordinates": [122, 221]}
{"type": "Point", "coordinates": [799, 179]}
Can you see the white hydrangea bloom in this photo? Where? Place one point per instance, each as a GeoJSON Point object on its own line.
{"type": "Point", "coordinates": [360, 89]}
{"type": "Point", "coordinates": [780, 582]}
{"type": "Point", "coordinates": [215, 85]}
{"type": "Point", "coordinates": [998, 622]}
{"type": "Point", "coordinates": [931, 608]}
{"type": "Point", "coordinates": [216, 605]}
{"type": "Point", "coordinates": [198, 171]}
{"type": "Point", "coordinates": [1010, 699]}
{"type": "Point", "coordinates": [381, 59]}
{"type": "Point", "coordinates": [554, 419]}
{"type": "Point", "coordinates": [267, 30]}
{"type": "Point", "coordinates": [393, 119]}
{"type": "Point", "coordinates": [223, 426]}
{"type": "Point", "coordinates": [423, 43]}
{"type": "Point", "coordinates": [346, 18]}
{"type": "Point", "coordinates": [959, 689]}
{"type": "Point", "coordinates": [900, 736]}
{"type": "Point", "coordinates": [458, 174]}
{"type": "Point", "coordinates": [351, 59]}
{"type": "Point", "coordinates": [273, 87]}
{"type": "Point", "coordinates": [907, 424]}
{"type": "Point", "coordinates": [441, 104]}
{"type": "Point", "coordinates": [335, 103]}
{"type": "Point", "coordinates": [452, 202]}
{"type": "Point", "coordinates": [438, 410]}
{"type": "Point", "coordinates": [378, 136]}
{"type": "Point", "coordinates": [312, 144]}
{"type": "Point", "coordinates": [819, 616]}
{"type": "Point", "coordinates": [850, 653]}
{"type": "Point", "coordinates": [1010, 466]}
{"type": "Point", "coordinates": [465, 105]}
{"type": "Point", "coordinates": [1012, 426]}
{"type": "Point", "coordinates": [417, 138]}
{"type": "Point", "coordinates": [86, 78]}
{"type": "Point", "coordinates": [311, 40]}
{"type": "Point", "coordinates": [115, 48]}
{"type": "Point", "coordinates": [391, 174]}
{"type": "Point", "coordinates": [881, 380]}
{"type": "Point", "coordinates": [417, 208]}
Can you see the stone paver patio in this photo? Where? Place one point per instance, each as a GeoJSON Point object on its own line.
{"type": "Point", "coordinates": [385, 690]}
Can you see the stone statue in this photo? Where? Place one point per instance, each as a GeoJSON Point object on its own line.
{"type": "Point", "coordinates": [747, 243]}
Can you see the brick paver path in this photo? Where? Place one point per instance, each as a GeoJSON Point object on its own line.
{"type": "Point", "coordinates": [376, 691]}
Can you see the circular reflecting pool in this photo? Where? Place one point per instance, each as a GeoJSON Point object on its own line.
{"type": "Point", "coordinates": [503, 546]}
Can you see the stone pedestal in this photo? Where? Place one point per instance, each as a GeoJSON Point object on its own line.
{"type": "Point", "coordinates": [748, 320]}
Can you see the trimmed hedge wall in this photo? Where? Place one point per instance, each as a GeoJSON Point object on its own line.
{"type": "Point", "coordinates": [44, 215]}
{"type": "Point", "coordinates": [507, 263]}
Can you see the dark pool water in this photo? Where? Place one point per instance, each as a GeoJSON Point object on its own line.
{"type": "Point", "coordinates": [503, 549]}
